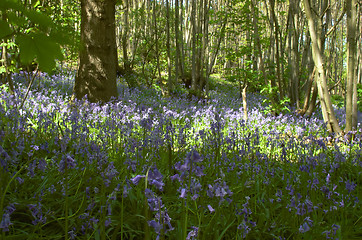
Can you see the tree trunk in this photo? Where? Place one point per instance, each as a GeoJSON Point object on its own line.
{"type": "Point", "coordinates": [193, 46]}
{"type": "Point", "coordinates": [326, 104]}
{"type": "Point", "coordinates": [293, 54]}
{"type": "Point", "coordinates": [351, 106]}
{"type": "Point", "coordinates": [170, 79]}
{"type": "Point", "coordinates": [276, 33]}
{"type": "Point", "coordinates": [126, 62]}
{"type": "Point", "coordinates": [177, 41]}
{"type": "Point", "coordinates": [257, 42]}
{"type": "Point", "coordinates": [206, 45]}
{"type": "Point", "coordinates": [96, 76]}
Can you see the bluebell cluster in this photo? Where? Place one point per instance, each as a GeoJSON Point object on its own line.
{"type": "Point", "coordinates": [125, 169]}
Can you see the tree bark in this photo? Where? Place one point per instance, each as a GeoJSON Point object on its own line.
{"type": "Point", "coordinates": [177, 41]}
{"type": "Point", "coordinates": [293, 54]}
{"type": "Point", "coordinates": [96, 76]}
{"type": "Point", "coordinates": [276, 33]}
{"type": "Point", "coordinates": [126, 62]}
{"type": "Point", "coordinates": [170, 81]}
{"type": "Point", "coordinates": [257, 42]}
{"type": "Point", "coordinates": [193, 46]}
{"type": "Point", "coordinates": [326, 104]}
{"type": "Point", "coordinates": [351, 86]}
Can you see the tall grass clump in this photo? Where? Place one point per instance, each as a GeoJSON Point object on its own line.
{"type": "Point", "coordinates": [148, 167]}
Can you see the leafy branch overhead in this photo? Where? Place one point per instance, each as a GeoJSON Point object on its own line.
{"type": "Point", "coordinates": [37, 37]}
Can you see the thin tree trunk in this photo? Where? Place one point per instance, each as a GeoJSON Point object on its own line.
{"type": "Point", "coordinates": [177, 41]}
{"type": "Point", "coordinates": [193, 46]}
{"type": "Point", "coordinates": [257, 41]}
{"type": "Point", "coordinates": [293, 54]}
{"type": "Point", "coordinates": [170, 79]}
{"type": "Point", "coordinates": [155, 31]}
{"type": "Point", "coordinates": [206, 45]}
{"type": "Point", "coordinates": [308, 93]}
{"type": "Point", "coordinates": [326, 103]}
{"type": "Point", "coordinates": [126, 62]}
{"type": "Point", "coordinates": [351, 106]}
{"type": "Point", "coordinates": [276, 33]}
{"type": "Point", "coordinates": [312, 102]}
{"type": "Point", "coordinates": [218, 44]}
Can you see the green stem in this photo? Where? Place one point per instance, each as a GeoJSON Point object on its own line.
{"type": "Point", "coordinates": [66, 202]}
{"type": "Point", "coordinates": [6, 189]}
{"type": "Point", "coordinates": [122, 217]}
{"type": "Point", "coordinates": [185, 221]}
{"type": "Point", "coordinates": [147, 228]}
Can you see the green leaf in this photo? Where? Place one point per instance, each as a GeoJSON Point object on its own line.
{"type": "Point", "coordinates": [2, 69]}
{"type": "Point", "coordinates": [9, 4]}
{"type": "Point", "coordinates": [5, 29]}
{"type": "Point", "coordinates": [16, 19]}
{"type": "Point", "coordinates": [47, 52]}
{"type": "Point", "coordinates": [39, 18]}
{"type": "Point", "coordinates": [26, 48]}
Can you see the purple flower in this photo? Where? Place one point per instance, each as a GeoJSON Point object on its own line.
{"type": "Point", "coordinates": [193, 234]}
{"type": "Point", "coordinates": [108, 222]}
{"type": "Point", "coordinates": [37, 213]}
{"type": "Point", "coordinates": [72, 234]}
{"type": "Point", "coordinates": [137, 178]}
{"type": "Point", "coordinates": [304, 228]}
{"type": "Point", "coordinates": [159, 185]}
{"type": "Point", "coordinates": [245, 229]}
{"type": "Point", "coordinates": [155, 178]}
{"type": "Point", "coordinates": [176, 176]}
{"type": "Point", "coordinates": [210, 208]}
{"type": "Point", "coordinates": [183, 193]}
{"type": "Point", "coordinates": [111, 171]}
{"type": "Point", "coordinates": [66, 162]}
{"type": "Point", "coordinates": [156, 226]}
{"type": "Point", "coordinates": [350, 186]}
{"type": "Point", "coordinates": [5, 222]}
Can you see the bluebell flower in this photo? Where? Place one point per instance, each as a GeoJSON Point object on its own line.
{"type": "Point", "coordinates": [305, 227]}
{"type": "Point", "coordinates": [193, 233]}
{"type": "Point", "coordinates": [155, 178]}
{"type": "Point", "coordinates": [245, 229]}
{"type": "Point", "coordinates": [183, 193]}
{"type": "Point", "coordinates": [210, 208]}
{"type": "Point", "coordinates": [66, 162]}
{"type": "Point", "coordinates": [37, 213]}
{"type": "Point", "coordinates": [5, 222]}
{"type": "Point", "coordinates": [350, 186]}
{"type": "Point", "coordinates": [137, 178]}
{"type": "Point", "coordinates": [72, 234]}
{"type": "Point", "coordinates": [328, 178]}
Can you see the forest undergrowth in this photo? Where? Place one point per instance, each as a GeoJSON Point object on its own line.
{"type": "Point", "coordinates": [148, 167]}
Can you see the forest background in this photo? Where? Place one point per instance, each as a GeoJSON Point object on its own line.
{"type": "Point", "coordinates": [291, 51]}
{"type": "Point", "coordinates": [227, 120]}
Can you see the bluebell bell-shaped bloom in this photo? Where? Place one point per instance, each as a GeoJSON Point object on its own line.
{"type": "Point", "coordinates": [183, 193]}
{"type": "Point", "coordinates": [193, 233]}
{"type": "Point", "coordinates": [66, 162]}
{"type": "Point", "coordinates": [137, 178]}
{"type": "Point", "coordinates": [350, 186]}
{"type": "Point", "coordinates": [245, 229]}
{"type": "Point", "coordinates": [37, 213]}
{"type": "Point", "coordinates": [5, 222]}
{"type": "Point", "coordinates": [210, 208]}
{"type": "Point", "coordinates": [155, 178]}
